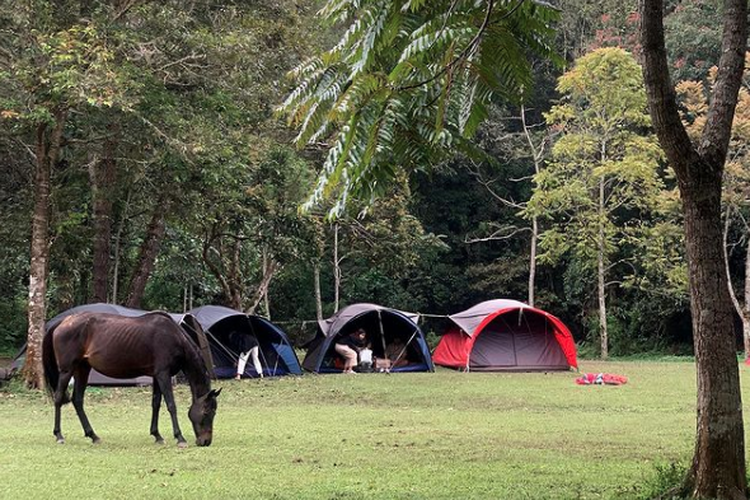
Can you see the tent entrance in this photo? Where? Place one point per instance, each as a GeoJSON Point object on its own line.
{"type": "Point", "coordinates": [517, 340]}
{"type": "Point", "coordinates": [388, 335]}
{"type": "Point", "coordinates": [226, 346]}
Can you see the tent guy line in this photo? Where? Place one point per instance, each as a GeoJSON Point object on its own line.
{"type": "Point", "coordinates": [315, 321]}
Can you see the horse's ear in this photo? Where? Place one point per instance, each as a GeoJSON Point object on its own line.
{"type": "Point", "coordinates": [216, 393]}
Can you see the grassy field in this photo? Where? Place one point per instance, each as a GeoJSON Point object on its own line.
{"type": "Point", "coordinates": [444, 435]}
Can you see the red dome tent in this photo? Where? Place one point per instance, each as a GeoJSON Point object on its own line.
{"type": "Point", "coordinates": [506, 335]}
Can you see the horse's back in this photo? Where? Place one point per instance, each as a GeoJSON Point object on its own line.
{"type": "Point", "coordinates": [117, 346]}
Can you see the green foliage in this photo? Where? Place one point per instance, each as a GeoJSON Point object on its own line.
{"type": "Point", "coordinates": [407, 83]}
{"type": "Point", "coordinates": [601, 165]}
{"type": "Point", "coordinates": [693, 38]}
{"type": "Point", "coordinates": [603, 175]}
{"type": "Point", "coordinates": [181, 96]}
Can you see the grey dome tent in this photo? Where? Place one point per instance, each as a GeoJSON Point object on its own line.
{"type": "Point", "coordinates": [188, 323]}
{"type": "Point", "coordinates": [223, 324]}
{"type": "Point", "coordinates": [382, 324]}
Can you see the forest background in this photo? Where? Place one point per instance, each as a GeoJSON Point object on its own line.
{"type": "Point", "coordinates": [174, 182]}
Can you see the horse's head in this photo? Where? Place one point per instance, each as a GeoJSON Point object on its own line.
{"type": "Point", "coordinates": [201, 414]}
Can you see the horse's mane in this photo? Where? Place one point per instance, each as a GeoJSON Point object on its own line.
{"type": "Point", "coordinates": [194, 360]}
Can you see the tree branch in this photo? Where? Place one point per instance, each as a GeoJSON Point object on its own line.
{"type": "Point", "coordinates": [661, 96]}
{"type": "Point", "coordinates": [497, 235]}
{"type": "Point", "coordinates": [718, 128]}
{"type": "Point", "coordinates": [732, 294]}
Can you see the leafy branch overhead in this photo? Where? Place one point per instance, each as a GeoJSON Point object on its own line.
{"type": "Point", "coordinates": [404, 85]}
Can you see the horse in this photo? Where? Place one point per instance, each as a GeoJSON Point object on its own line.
{"type": "Point", "coordinates": [126, 347]}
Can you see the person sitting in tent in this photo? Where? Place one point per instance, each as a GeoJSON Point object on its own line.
{"type": "Point", "coordinates": [248, 346]}
{"type": "Point", "coordinates": [395, 352]}
{"type": "Point", "coordinates": [348, 347]}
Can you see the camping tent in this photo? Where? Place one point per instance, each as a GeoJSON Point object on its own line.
{"type": "Point", "coordinates": [383, 325]}
{"type": "Point", "coordinates": [186, 321]}
{"type": "Point", "coordinates": [221, 325]}
{"type": "Point", "coordinates": [506, 335]}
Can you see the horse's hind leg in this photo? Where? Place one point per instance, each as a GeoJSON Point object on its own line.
{"type": "Point", "coordinates": [61, 397]}
{"type": "Point", "coordinates": [165, 383]}
{"type": "Point", "coordinates": [79, 389]}
{"type": "Point", "coordinates": [155, 408]}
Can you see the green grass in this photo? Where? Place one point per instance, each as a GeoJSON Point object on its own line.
{"type": "Point", "coordinates": [444, 435]}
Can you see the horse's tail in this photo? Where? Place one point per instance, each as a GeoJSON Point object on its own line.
{"type": "Point", "coordinates": [51, 371]}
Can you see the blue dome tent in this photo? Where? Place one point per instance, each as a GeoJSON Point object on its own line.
{"type": "Point", "coordinates": [222, 324]}
{"type": "Point", "coordinates": [383, 326]}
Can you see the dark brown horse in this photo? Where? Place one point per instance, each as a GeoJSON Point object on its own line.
{"type": "Point", "coordinates": [123, 347]}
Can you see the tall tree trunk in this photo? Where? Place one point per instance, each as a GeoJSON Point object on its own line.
{"type": "Point", "coordinates": [102, 177]}
{"type": "Point", "coordinates": [532, 258]}
{"type": "Point", "coordinates": [718, 466]}
{"type": "Point", "coordinates": [601, 282]}
{"type": "Point", "coordinates": [270, 266]}
{"type": "Point", "coordinates": [537, 155]}
{"type": "Point", "coordinates": [230, 281]}
{"type": "Point", "coordinates": [267, 305]}
{"type": "Point", "coordinates": [318, 294]}
{"type": "Point", "coordinates": [745, 312]}
{"type": "Point", "coordinates": [236, 283]}
{"type": "Point", "coordinates": [47, 153]}
{"type": "Point", "coordinates": [336, 269]}
{"type": "Point", "coordinates": [114, 298]}
{"type": "Point", "coordinates": [147, 257]}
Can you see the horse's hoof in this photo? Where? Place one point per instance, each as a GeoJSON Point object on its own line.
{"type": "Point", "coordinates": [182, 444]}
{"type": "Point", "coordinates": [159, 441]}
{"type": "Point", "coordinates": [96, 440]}
{"type": "Point", "coordinates": [60, 440]}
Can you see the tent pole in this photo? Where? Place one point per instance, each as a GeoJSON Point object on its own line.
{"type": "Point", "coordinates": [468, 358]}
{"type": "Point", "coordinates": [232, 355]}
{"type": "Point", "coordinates": [382, 335]}
{"type": "Point", "coordinates": [403, 351]}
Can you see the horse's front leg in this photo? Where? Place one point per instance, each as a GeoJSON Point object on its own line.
{"type": "Point", "coordinates": [79, 389]}
{"type": "Point", "coordinates": [61, 397]}
{"type": "Point", "coordinates": [165, 383]}
{"type": "Point", "coordinates": [155, 408]}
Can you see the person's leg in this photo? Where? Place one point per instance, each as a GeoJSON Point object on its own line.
{"type": "Point", "coordinates": [241, 364]}
{"type": "Point", "coordinates": [349, 355]}
{"type": "Point", "coordinates": [256, 361]}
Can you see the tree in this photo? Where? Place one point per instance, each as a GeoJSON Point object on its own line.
{"type": "Point", "coordinates": [602, 167]}
{"type": "Point", "coordinates": [52, 64]}
{"type": "Point", "coordinates": [694, 96]}
{"type": "Point", "coordinates": [718, 468]}
{"type": "Point", "coordinates": [524, 144]}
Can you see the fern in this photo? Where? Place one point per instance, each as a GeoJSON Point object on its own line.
{"type": "Point", "coordinates": [408, 83]}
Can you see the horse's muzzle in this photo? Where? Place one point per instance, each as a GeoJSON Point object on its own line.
{"type": "Point", "coordinates": [204, 440]}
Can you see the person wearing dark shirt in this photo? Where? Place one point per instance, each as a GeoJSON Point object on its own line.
{"type": "Point", "coordinates": [248, 346]}
{"type": "Point", "coordinates": [348, 348]}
